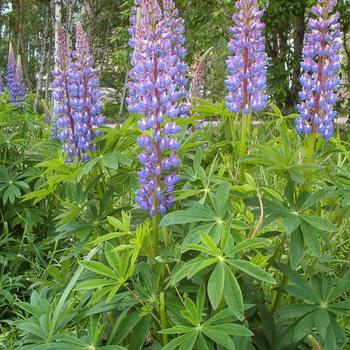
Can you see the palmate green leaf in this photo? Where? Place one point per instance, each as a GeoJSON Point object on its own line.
{"type": "Point", "coordinates": [297, 248]}
{"type": "Point", "coordinates": [311, 238]}
{"type": "Point", "coordinates": [216, 285]}
{"type": "Point", "coordinates": [342, 286]}
{"type": "Point", "coordinates": [140, 333]}
{"type": "Point", "coordinates": [176, 330]}
{"type": "Point", "coordinates": [99, 268]}
{"type": "Point", "coordinates": [31, 328]}
{"type": "Point", "coordinates": [189, 342]}
{"type": "Point", "coordinates": [250, 243]}
{"type": "Point", "coordinates": [342, 308]}
{"type": "Point", "coordinates": [219, 336]}
{"type": "Point", "coordinates": [322, 322]}
{"type": "Point", "coordinates": [127, 325]}
{"type": "Point", "coordinates": [182, 339]}
{"type": "Point", "coordinates": [221, 198]}
{"type": "Point", "coordinates": [286, 312]}
{"type": "Point", "coordinates": [198, 214]}
{"type": "Point", "coordinates": [94, 283]}
{"type": "Point", "coordinates": [233, 295]}
{"type": "Point", "coordinates": [210, 244]}
{"type": "Point", "coordinates": [319, 223]}
{"type": "Point", "coordinates": [112, 160]}
{"type": "Point", "coordinates": [252, 270]}
{"type": "Point", "coordinates": [291, 223]}
{"type": "Point", "coordinates": [304, 326]}
{"type": "Point", "coordinates": [190, 269]}
{"type": "Point", "coordinates": [316, 197]}
{"type": "Point", "coordinates": [191, 312]}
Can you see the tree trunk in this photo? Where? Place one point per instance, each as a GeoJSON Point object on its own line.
{"type": "Point", "coordinates": [298, 50]}
{"type": "Point", "coordinates": [43, 52]}
{"type": "Point", "coordinates": [18, 7]}
{"type": "Point", "coordinates": [70, 23]}
{"type": "Point", "coordinates": [57, 4]}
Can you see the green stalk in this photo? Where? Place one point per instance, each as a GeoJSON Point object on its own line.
{"type": "Point", "coordinates": [284, 280]}
{"type": "Point", "coordinates": [243, 147]}
{"type": "Point", "coordinates": [155, 224]}
{"type": "Point", "coordinates": [163, 317]}
{"type": "Point", "coordinates": [310, 147]}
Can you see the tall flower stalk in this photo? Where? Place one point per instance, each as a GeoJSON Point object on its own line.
{"type": "Point", "coordinates": [10, 70]}
{"type": "Point", "coordinates": [320, 66]}
{"type": "Point", "coordinates": [14, 79]}
{"type": "Point", "coordinates": [246, 81]}
{"type": "Point", "coordinates": [63, 110]}
{"type": "Point", "coordinates": [18, 88]}
{"type": "Point", "coordinates": [76, 92]}
{"type": "Point", "coordinates": [156, 88]}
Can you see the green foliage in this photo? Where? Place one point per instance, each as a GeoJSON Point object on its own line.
{"type": "Point", "coordinates": [252, 262]}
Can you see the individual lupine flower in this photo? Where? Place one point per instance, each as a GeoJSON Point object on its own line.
{"type": "Point", "coordinates": [155, 91]}
{"type": "Point", "coordinates": [18, 91]}
{"type": "Point", "coordinates": [320, 78]}
{"type": "Point", "coordinates": [84, 95]}
{"type": "Point", "coordinates": [63, 109]}
{"type": "Point", "coordinates": [2, 86]}
{"type": "Point", "coordinates": [246, 81]}
{"type": "Point", "coordinates": [11, 71]}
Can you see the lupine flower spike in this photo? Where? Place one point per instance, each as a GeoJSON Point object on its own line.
{"type": "Point", "coordinates": [2, 86]}
{"type": "Point", "coordinates": [246, 82]}
{"type": "Point", "coordinates": [155, 91]}
{"type": "Point", "coordinates": [11, 72]}
{"type": "Point", "coordinates": [18, 86]}
{"type": "Point", "coordinates": [76, 92]}
{"type": "Point", "coordinates": [63, 109]}
{"type": "Point", "coordinates": [84, 94]}
{"type": "Point", "coordinates": [320, 78]}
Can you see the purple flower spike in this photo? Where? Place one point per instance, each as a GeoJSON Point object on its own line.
{"type": "Point", "coordinates": [18, 86]}
{"type": "Point", "coordinates": [246, 81]}
{"type": "Point", "coordinates": [76, 91]}
{"type": "Point", "coordinates": [85, 95]}
{"type": "Point", "coordinates": [156, 88]}
{"type": "Point", "coordinates": [61, 94]}
{"type": "Point", "coordinates": [2, 86]}
{"type": "Point", "coordinates": [320, 78]}
{"type": "Point", "coordinates": [11, 74]}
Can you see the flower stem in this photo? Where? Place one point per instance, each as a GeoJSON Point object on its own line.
{"type": "Point", "coordinates": [243, 147]}
{"type": "Point", "coordinates": [155, 223]}
{"type": "Point", "coordinates": [163, 317]}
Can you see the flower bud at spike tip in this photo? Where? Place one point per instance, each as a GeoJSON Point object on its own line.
{"type": "Point", "coordinates": [320, 77]}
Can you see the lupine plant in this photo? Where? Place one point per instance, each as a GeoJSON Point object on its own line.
{"type": "Point", "coordinates": [14, 79]}
{"type": "Point", "coordinates": [18, 91]}
{"type": "Point", "coordinates": [156, 90]}
{"type": "Point", "coordinates": [246, 80]}
{"type": "Point", "coordinates": [76, 92]}
{"type": "Point", "coordinates": [321, 62]}
{"type": "Point", "coordinates": [10, 69]}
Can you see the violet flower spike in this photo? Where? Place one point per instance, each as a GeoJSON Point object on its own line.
{"type": "Point", "coordinates": [156, 89]}
{"type": "Point", "coordinates": [61, 94]}
{"type": "Point", "coordinates": [246, 81]}
{"type": "Point", "coordinates": [84, 94]}
{"type": "Point", "coordinates": [2, 86]}
{"type": "Point", "coordinates": [18, 86]}
{"type": "Point", "coordinates": [320, 77]}
{"type": "Point", "coordinates": [11, 73]}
